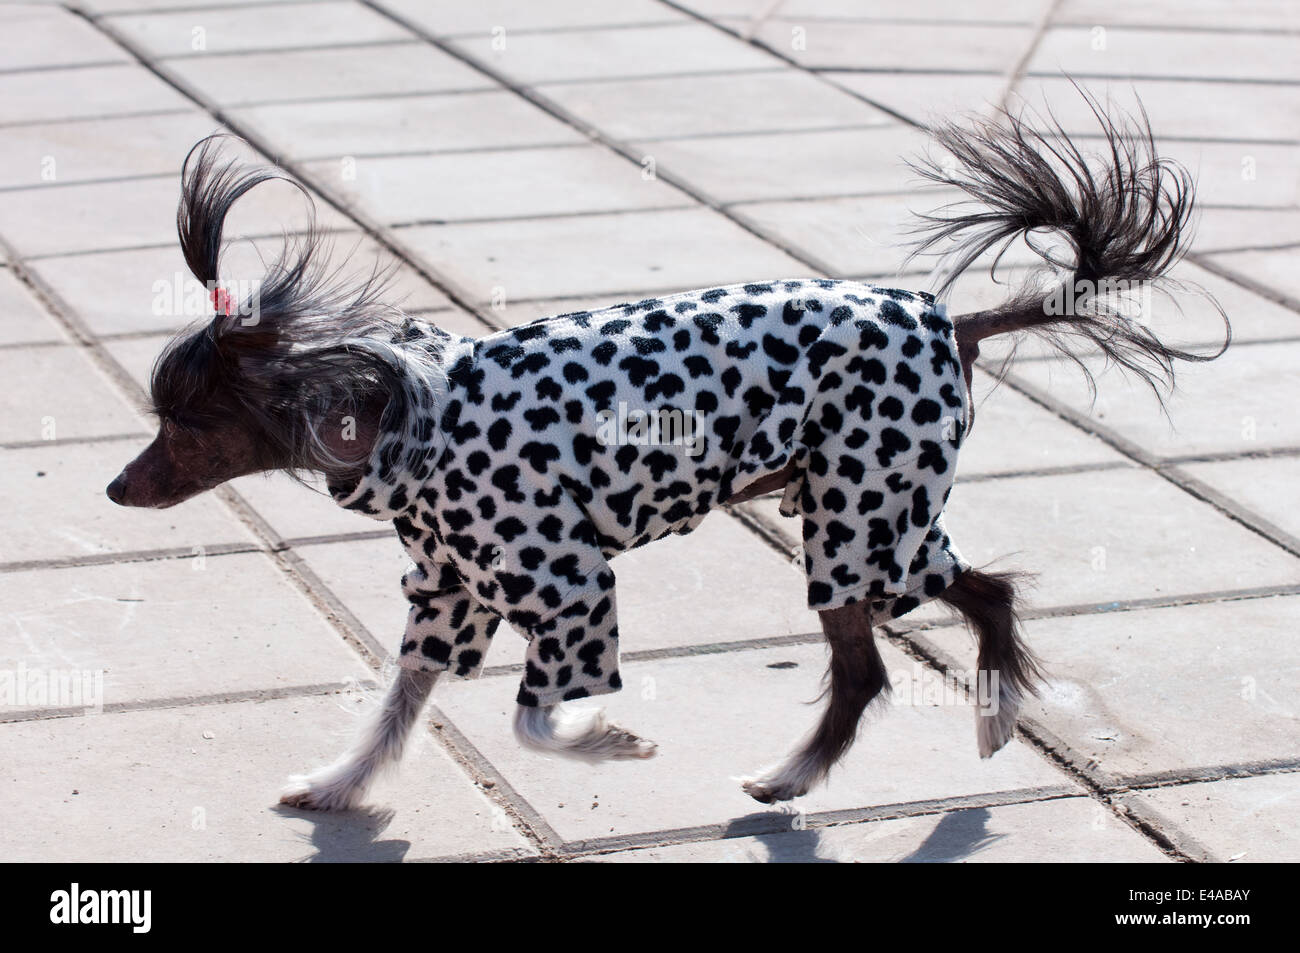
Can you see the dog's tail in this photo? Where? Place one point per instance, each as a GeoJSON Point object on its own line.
{"type": "Point", "coordinates": [1125, 215]}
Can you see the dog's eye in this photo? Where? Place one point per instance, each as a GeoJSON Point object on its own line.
{"type": "Point", "coordinates": [169, 429]}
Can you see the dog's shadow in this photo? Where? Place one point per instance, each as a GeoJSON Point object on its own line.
{"type": "Point", "coordinates": [957, 837]}
{"type": "Point", "coordinates": [349, 836]}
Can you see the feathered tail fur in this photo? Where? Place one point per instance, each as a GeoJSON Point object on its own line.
{"type": "Point", "coordinates": [1125, 214]}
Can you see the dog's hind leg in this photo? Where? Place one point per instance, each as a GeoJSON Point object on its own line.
{"type": "Point", "coordinates": [988, 603]}
{"type": "Point", "coordinates": [584, 735]}
{"type": "Point", "coordinates": [342, 784]}
{"type": "Point", "coordinates": [857, 677]}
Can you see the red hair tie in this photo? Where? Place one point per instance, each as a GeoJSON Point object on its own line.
{"type": "Point", "coordinates": [221, 300]}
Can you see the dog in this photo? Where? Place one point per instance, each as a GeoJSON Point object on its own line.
{"type": "Point", "coordinates": [494, 460]}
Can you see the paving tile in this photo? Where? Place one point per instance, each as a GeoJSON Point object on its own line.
{"type": "Point", "coordinates": [1273, 269]}
{"type": "Point", "coordinates": [507, 184]}
{"type": "Point", "coordinates": [949, 11]}
{"type": "Point", "coordinates": [862, 235]}
{"type": "Point", "coordinates": [53, 153]}
{"type": "Point", "coordinates": [136, 6]}
{"type": "Point", "coordinates": [1012, 433]}
{"type": "Point", "coordinates": [1176, 108]}
{"type": "Point", "coordinates": [1240, 402]}
{"type": "Point", "coordinates": [717, 717]}
{"type": "Point", "coordinates": [532, 58]}
{"type": "Point", "coordinates": [1170, 689]}
{"type": "Point", "coordinates": [25, 319]}
{"type": "Point", "coordinates": [278, 26]}
{"type": "Point", "coordinates": [1124, 51]}
{"type": "Point", "coordinates": [151, 289]}
{"type": "Point", "coordinates": [1114, 534]}
{"type": "Point", "coordinates": [926, 97]}
{"type": "Point", "coordinates": [926, 47]}
{"type": "Point", "coordinates": [202, 785]}
{"type": "Point", "coordinates": [328, 73]}
{"type": "Point", "coordinates": [445, 19]}
{"type": "Point", "coordinates": [1247, 820]}
{"type": "Point", "coordinates": [606, 254]}
{"type": "Point", "coordinates": [1231, 229]}
{"type": "Point", "coordinates": [38, 36]}
{"type": "Point", "coordinates": [720, 584]}
{"type": "Point", "coordinates": [172, 629]}
{"type": "Point", "coordinates": [1241, 15]}
{"type": "Point", "coordinates": [1069, 829]}
{"type": "Point", "coordinates": [780, 100]}
{"type": "Point", "coordinates": [1239, 174]}
{"type": "Point", "coordinates": [1265, 486]}
{"type": "Point", "coordinates": [85, 93]}
{"type": "Point", "coordinates": [776, 166]}
{"type": "Point", "coordinates": [65, 483]}
{"type": "Point", "coordinates": [55, 392]}
{"type": "Point", "coordinates": [87, 218]}
{"type": "Point", "coordinates": [1090, 538]}
{"type": "Point", "coordinates": [427, 124]}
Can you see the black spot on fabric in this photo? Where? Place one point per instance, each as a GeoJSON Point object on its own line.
{"type": "Point", "coordinates": [891, 313]}
{"type": "Point", "coordinates": [539, 418]}
{"type": "Point", "coordinates": [920, 507]}
{"type": "Point", "coordinates": [870, 500]}
{"type": "Point", "coordinates": [708, 325]}
{"type": "Point", "coordinates": [892, 443]}
{"type": "Point", "coordinates": [926, 411]}
{"type": "Point", "coordinates": [779, 350]}
{"type": "Point", "coordinates": [891, 407]}
{"type": "Point", "coordinates": [932, 458]}
{"type": "Point", "coordinates": [499, 434]}
{"type": "Point", "coordinates": [748, 313]}
{"type": "Point", "coordinates": [697, 365]}
{"type": "Point", "coordinates": [436, 649]}
{"type": "Point", "coordinates": [739, 351]}
{"type": "Point", "coordinates": [601, 394]}
{"type": "Point", "coordinates": [903, 374]}
{"type": "Point", "coordinates": [731, 379]}
{"type": "Point", "coordinates": [539, 455]}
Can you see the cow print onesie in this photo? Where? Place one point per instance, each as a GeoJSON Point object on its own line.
{"type": "Point", "coordinates": [513, 500]}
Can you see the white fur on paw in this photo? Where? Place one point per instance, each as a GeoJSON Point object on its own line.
{"type": "Point", "coordinates": [626, 746]}
{"type": "Point", "coordinates": [992, 732]}
{"type": "Point", "coordinates": [770, 792]}
{"type": "Point", "coordinates": [302, 794]}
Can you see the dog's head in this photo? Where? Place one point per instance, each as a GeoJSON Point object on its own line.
{"type": "Point", "coordinates": [293, 374]}
{"type": "Point", "coordinates": [205, 434]}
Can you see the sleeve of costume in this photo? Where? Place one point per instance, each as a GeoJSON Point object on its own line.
{"type": "Point", "coordinates": [447, 628]}
{"type": "Point", "coordinates": [574, 653]}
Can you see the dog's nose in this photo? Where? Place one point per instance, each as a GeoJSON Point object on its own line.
{"type": "Point", "coordinates": [117, 490]}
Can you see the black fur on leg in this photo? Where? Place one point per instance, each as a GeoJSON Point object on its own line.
{"type": "Point", "coordinates": [987, 600]}
{"type": "Point", "coordinates": [855, 678]}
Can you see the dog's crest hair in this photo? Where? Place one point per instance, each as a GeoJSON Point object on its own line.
{"type": "Point", "coordinates": [311, 341]}
{"type": "Point", "coordinates": [1126, 218]}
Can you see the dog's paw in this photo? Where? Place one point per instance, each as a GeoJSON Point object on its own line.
{"type": "Point", "coordinates": [303, 794]}
{"type": "Point", "coordinates": [770, 792]}
{"type": "Point", "coordinates": [625, 746]}
{"type": "Point", "coordinates": [993, 731]}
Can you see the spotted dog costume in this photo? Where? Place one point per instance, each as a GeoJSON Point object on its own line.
{"type": "Point", "coordinates": [511, 502]}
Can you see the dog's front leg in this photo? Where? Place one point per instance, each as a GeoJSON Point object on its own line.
{"type": "Point", "coordinates": [342, 784]}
